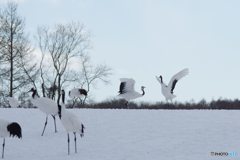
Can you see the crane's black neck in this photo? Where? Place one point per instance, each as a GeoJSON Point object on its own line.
{"type": "Point", "coordinates": [60, 111]}
{"type": "Point", "coordinates": [161, 79]}
{"type": "Point", "coordinates": [143, 92]}
{"type": "Point", "coordinates": [63, 96]}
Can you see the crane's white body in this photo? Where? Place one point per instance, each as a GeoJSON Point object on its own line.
{"type": "Point", "coordinates": [130, 96]}
{"type": "Point", "coordinates": [128, 92]}
{"type": "Point", "coordinates": [46, 105]}
{"type": "Point", "coordinates": [74, 93]}
{"type": "Point", "coordinates": [167, 90]}
{"type": "Point", "coordinates": [70, 121]}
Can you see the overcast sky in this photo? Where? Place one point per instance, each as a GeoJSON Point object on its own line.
{"type": "Point", "coordinates": [143, 38]}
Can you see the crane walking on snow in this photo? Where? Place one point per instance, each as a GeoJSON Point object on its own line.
{"type": "Point", "coordinates": [70, 122]}
{"type": "Point", "coordinates": [46, 105]}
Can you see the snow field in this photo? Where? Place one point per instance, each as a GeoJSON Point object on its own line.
{"type": "Point", "coordinates": [127, 135]}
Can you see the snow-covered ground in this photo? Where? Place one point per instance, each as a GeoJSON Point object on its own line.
{"type": "Point", "coordinates": [128, 135]}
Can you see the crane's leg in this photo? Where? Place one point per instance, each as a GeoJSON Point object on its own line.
{"type": "Point", "coordinates": [75, 140]}
{"type": "Point", "coordinates": [54, 119]}
{"type": "Point", "coordinates": [74, 101]}
{"type": "Point", "coordinates": [3, 145]}
{"type": "Point", "coordinates": [44, 126]}
{"type": "Point", "coordinates": [68, 144]}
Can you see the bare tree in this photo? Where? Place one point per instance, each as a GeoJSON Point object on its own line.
{"type": "Point", "coordinates": [14, 49]}
{"type": "Point", "coordinates": [63, 43]}
{"type": "Point", "coordinates": [29, 67]}
{"type": "Point", "coordinates": [92, 74]}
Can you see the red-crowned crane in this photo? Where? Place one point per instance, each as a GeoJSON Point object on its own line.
{"type": "Point", "coordinates": [167, 90]}
{"type": "Point", "coordinates": [70, 122]}
{"type": "Point", "coordinates": [127, 91]}
{"type": "Point", "coordinates": [46, 105]}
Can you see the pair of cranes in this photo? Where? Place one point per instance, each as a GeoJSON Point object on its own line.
{"type": "Point", "coordinates": [50, 107]}
{"type": "Point", "coordinates": [127, 91]}
{"type": "Point", "coordinates": [69, 120]}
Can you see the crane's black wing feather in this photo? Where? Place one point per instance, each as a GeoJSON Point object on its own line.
{"type": "Point", "coordinates": [83, 92]}
{"type": "Point", "coordinates": [122, 87]}
{"type": "Point", "coordinates": [173, 85]}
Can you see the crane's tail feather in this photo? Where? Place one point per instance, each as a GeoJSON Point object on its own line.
{"type": "Point", "coordinates": [14, 129]}
{"type": "Point", "coordinates": [82, 130]}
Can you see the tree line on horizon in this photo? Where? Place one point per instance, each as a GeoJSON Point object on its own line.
{"type": "Point", "coordinates": [219, 104]}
